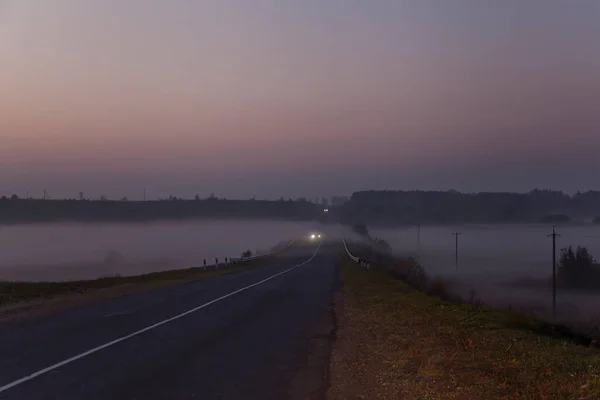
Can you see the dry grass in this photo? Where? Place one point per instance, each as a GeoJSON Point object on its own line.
{"type": "Point", "coordinates": [394, 342]}
{"type": "Point", "coordinates": [14, 292]}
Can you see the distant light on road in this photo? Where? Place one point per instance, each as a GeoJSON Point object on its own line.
{"type": "Point", "coordinates": [314, 236]}
{"type": "Point", "coordinates": [326, 210]}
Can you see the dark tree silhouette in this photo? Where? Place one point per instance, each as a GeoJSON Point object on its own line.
{"type": "Point", "coordinates": [577, 268]}
{"type": "Point", "coordinates": [435, 207]}
{"type": "Point", "coordinates": [38, 210]}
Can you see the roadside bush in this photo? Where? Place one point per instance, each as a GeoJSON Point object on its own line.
{"type": "Point", "coordinates": [409, 271]}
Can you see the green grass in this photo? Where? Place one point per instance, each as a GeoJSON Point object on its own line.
{"type": "Point", "coordinates": [13, 292]}
{"type": "Point", "coordinates": [407, 344]}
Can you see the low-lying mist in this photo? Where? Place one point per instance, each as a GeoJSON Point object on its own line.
{"type": "Point", "coordinates": [55, 252]}
{"type": "Point", "coordinates": [502, 265]}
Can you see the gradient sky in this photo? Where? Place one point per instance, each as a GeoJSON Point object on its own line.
{"type": "Point", "coordinates": [297, 98]}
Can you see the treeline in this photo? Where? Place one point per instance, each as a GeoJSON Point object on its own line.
{"type": "Point", "coordinates": [369, 207]}
{"type": "Point", "coordinates": [36, 210]}
{"type": "Point", "coordinates": [578, 269]}
{"type": "Point", "coordinates": [413, 207]}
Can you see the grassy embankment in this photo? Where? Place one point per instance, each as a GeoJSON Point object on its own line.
{"type": "Point", "coordinates": [395, 342]}
{"type": "Point", "coordinates": [14, 292]}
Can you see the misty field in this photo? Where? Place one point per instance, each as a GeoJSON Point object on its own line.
{"type": "Point", "coordinates": [505, 265]}
{"type": "Point", "coordinates": [55, 252]}
{"type": "Point", "coordinates": [496, 261]}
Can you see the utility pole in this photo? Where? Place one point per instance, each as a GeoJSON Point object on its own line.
{"type": "Point", "coordinates": [553, 235]}
{"type": "Point", "coordinates": [144, 194]}
{"type": "Point", "coordinates": [456, 235]}
{"type": "Point", "coordinates": [419, 241]}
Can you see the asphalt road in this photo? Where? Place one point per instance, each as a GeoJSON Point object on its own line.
{"type": "Point", "coordinates": [257, 334]}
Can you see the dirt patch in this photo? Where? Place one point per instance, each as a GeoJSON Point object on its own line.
{"type": "Point", "coordinates": [394, 342]}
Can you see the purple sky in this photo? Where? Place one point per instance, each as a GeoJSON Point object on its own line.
{"type": "Point", "coordinates": [297, 98]}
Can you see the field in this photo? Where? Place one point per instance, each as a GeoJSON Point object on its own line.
{"type": "Point", "coordinates": [505, 265]}
{"type": "Point", "coordinates": [84, 251]}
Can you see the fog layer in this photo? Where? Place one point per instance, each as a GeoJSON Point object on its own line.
{"type": "Point", "coordinates": [84, 251]}
{"type": "Point", "coordinates": [506, 265]}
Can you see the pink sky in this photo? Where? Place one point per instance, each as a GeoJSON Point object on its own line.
{"type": "Point", "coordinates": [297, 99]}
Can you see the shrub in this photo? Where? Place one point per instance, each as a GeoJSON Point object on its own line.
{"type": "Point", "coordinates": [577, 269]}
{"type": "Point", "coordinates": [410, 272]}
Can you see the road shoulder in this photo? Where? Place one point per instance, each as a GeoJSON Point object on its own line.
{"type": "Point", "coordinates": [22, 300]}
{"type": "Point", "coordinates": [394, 342]}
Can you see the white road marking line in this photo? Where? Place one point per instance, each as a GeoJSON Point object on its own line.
{"type": "Point", "coordinates": [148, 328]}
